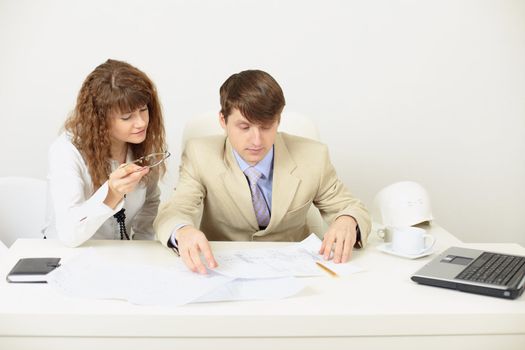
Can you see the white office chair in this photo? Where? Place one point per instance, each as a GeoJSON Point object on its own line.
{"type": "Point", "coordinates": [293, 123]}
{"type": "Point", "coordinates": [22, 208]}
{"type": "Point", "coordinates": [208, 124]}
{"type": "Point", "coordinates": [3, 250]}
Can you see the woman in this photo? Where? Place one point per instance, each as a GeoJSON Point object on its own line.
{"type": "Point", "coordinates": [95, 192]}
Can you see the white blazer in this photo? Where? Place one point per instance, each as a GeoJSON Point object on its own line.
{"type": "Point", "coordinates": [76, 214]}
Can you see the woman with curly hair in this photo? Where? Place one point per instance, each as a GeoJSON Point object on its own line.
{"type": "Point", "coordinates": [95, 189]}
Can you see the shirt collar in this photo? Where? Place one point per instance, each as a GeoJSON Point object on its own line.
{"type": "Point", "coordinates": [264, 166]}
{"type": "Point", "coordinates": [129, 158]}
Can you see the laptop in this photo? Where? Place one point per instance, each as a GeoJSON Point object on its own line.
{"type": "Point", "coordinates": [475, 271]}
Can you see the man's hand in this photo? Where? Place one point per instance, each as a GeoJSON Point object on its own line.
{"type": "Point", "coordinates": [342, 233]}
{"type": "Point", "coordinates": [191, 243]}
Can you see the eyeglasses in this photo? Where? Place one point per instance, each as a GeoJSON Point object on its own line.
{"type": "Point", "coordinates": [151, 160]}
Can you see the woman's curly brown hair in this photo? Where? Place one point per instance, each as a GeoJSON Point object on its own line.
{"type": "Point", "coordinates": [114, 86]}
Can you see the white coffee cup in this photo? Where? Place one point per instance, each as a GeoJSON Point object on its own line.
{"type": "Point", "coordinates": [411, 240]}
{"type": "Point", "coordinates": [385, 233]}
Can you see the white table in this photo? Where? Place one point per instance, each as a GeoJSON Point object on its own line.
{"type": "Point", "coordinates": [379, 308]}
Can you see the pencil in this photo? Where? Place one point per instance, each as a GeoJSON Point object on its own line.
{"type": "Point", "coordinates": [330, 272]}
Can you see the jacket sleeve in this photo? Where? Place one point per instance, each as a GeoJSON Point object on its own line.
{"type": "Point", "coordinates": [185, 205]}
{"type": "Point", "coordinates": [333, 199]}
{"type": "Point", "coordinates": [78, 216]}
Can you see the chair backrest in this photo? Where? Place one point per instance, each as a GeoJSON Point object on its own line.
{"type": "Point", "coordinates": [207, 124]}
{"type": "Point", "coordinates": [22, 208]}
{"type": "Point", "coordinates": [293, 123]}
{"type": "Point", "coordinates": [3, 250]}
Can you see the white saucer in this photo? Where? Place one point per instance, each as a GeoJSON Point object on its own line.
{"type": "Point", "coordinates": [387, 248]}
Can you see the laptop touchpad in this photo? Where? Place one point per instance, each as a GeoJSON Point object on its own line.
{"type": "Point", "coordinates": [458, 260]}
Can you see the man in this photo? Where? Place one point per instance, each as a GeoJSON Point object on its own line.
{"type": "Point", "coordinates": [255, 183]}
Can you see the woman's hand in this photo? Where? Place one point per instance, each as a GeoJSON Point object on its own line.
{"type": "Point", "coordinates": [122, 181]}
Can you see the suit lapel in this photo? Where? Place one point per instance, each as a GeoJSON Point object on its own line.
{"type": "Point", "coordinates": [237, 187]}
{"type": "Point", "coordinates": [284, 184]}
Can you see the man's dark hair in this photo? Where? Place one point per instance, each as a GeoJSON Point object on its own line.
{"type": "Point", "coordinates": [255, 94]}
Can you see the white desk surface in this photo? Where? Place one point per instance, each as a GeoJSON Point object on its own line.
{"type": "Point", "coordinates": [378, 308]}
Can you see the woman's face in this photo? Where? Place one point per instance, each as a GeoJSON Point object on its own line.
{"type": "Point", "coordinates": [129, 127]}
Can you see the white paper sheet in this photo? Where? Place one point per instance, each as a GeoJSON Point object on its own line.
{"type": "Point", "coordinates": [312, 244]}
{"type": "Point", "coordinates": [242, 275]}
{"type": "Point", "coordinates": [266, 263]}
{"type": "Point", "coordinates": [88, 275]}
{"type": "Point", "coordinates": [255, 289]}
{"type": "Point", "coordinates": [294, 260]}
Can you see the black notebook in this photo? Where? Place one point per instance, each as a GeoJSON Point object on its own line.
{"type": "Point", "coordinates": [32, 270]}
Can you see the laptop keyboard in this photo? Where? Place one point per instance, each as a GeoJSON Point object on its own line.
{"type": "Point", "coordinates": [494, 268]}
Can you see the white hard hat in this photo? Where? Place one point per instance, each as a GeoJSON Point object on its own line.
{"type": "Point", "coordinates": [403, 204]}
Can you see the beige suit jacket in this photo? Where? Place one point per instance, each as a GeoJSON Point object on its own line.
{"type": "Point", "coordinates": [212, 182]}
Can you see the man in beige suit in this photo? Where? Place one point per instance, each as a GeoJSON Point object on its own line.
{"type": "Point", "coordinates": [255, 183]}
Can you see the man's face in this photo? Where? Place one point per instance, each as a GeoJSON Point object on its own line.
{"type": "Point", "coordinates": [251, 141]}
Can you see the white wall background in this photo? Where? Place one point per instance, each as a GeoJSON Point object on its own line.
{"type": "Point", "coordinates": [430, 91]}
